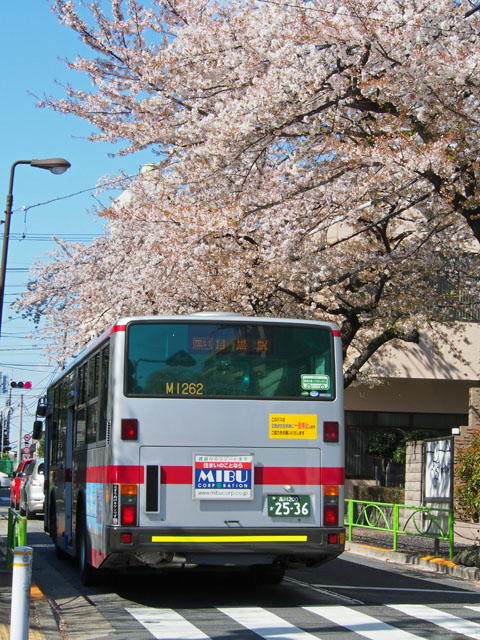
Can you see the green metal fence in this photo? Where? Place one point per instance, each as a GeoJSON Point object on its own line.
{"type": "Point", "coordinates": [399, 519]}
{"type": "Point", "coordinates": [16, 535]}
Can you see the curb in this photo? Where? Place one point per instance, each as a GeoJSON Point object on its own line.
{"type": "Point", "coordinates": [426, 562]}
{"type": "Point", "coordinates": [41, 615]}
{"type": "Point", "coordinates": [40, 611]}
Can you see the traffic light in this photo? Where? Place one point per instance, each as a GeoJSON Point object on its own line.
{"type": "Point", "coordinates": [20, 385]}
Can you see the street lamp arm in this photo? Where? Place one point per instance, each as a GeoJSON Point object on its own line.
{"type": "Point", "coordinates": [54, 165]}
{"type": "Point", "coordinates": [10, 186]}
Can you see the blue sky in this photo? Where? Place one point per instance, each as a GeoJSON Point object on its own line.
{"type": "Point", "coordinates": [32, 43]}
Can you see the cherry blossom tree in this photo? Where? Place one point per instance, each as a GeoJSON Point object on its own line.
{"type": "Point", "coordinates": [313, 159]}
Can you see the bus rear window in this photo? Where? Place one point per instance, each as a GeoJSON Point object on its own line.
{"type": "Point", "coordinates": [229, 360]}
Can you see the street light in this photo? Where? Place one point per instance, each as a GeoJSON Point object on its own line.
{"type": "Point", "coordinates": [54, 165]}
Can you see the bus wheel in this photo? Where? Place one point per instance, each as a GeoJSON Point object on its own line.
{"type": "Point", "coordinates": [88, 574]}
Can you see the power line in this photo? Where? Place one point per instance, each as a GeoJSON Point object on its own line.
{"type": "Point", "coordinates": [110, 183]}
{"type": "Point", "coordinates": [48, 237]}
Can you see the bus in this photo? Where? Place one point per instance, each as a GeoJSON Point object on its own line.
{"type": "Point", "coordinates": [207, 440]}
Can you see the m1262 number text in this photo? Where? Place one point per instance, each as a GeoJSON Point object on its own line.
{"type": "Point", "coordinates": [184, 388]}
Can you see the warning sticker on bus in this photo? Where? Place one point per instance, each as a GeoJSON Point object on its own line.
{"type": "Point", "coordinates": [223, 477]}
{"type": "Point", "coordinates": [292, 425]}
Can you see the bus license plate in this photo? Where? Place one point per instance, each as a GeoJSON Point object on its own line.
{"type": "Point", "coordinates": [288, 506]}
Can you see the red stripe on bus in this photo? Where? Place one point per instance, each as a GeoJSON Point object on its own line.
{"type": "Point", "coordinates": [183, 475]}
{"type": "Point", "coordinates": [268, 475]}
{"type": "Point", "coordinates": [336, 333]}
{"type": "Point", "coordinates": [299, 475]}
{"type": "Point", "coordinates": [118, 327]}
{"type": "Point", "coordinates": [121, 474]}
{"type": "Point", "coordinates": [106, 334]}
{"type": "Point", "coordinates": [176, 475]}
{"type": "Point", "coordinates": [97, 557]}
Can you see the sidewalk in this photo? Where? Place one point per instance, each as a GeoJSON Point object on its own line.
{"type": "Point", "coordinates": [419, 552]}
{"type": "Point", "coordinates": [43, 623]}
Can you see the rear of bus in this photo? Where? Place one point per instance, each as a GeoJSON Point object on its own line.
{"type": "Point", "coordinates": [226, 445]}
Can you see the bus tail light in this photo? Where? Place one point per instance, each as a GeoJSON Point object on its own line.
{"type": "Point", "coordinates": [330, 431]}
{"type": "Point", "coordinates": [330, 516]}
{"type": "Point", "coordinates": [330, 506]}
{"type": "Point", "coordinates": [129, 429]}
{"type": "Point", "coordinates": [128, 515]}
{"type": "Point", "coordinates": [128, 505]}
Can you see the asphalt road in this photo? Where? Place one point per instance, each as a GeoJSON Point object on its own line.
{"type": "Point", "coordinates": [349, 598]}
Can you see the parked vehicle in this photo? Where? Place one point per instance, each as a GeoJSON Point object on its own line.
{"type": "Point", "coordinates": [16, 478]}
{"type": "Point", "coordinates": [32, 499]}
{"type": "Point", "coordinates": [4, 480]}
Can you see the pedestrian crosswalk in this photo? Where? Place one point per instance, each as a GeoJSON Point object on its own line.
{"type": "Point", "coordinates": [424, 622]}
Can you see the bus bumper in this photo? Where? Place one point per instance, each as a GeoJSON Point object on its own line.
{"type": "Point", "coordinates": [288, 547]}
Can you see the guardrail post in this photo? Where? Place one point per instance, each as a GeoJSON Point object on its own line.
{"type": "Point", "coordinates": [451, 533]}
{"type": "Point", "coordinates": [350, 519]}
{"type": "Point", "coordinates": [21, 579]}
{"type": "Point", "coordinates": [396, 521]}
{"type": "Point", "coordinates": [16, 534]}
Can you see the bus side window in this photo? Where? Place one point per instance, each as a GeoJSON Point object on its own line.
{"type": "Point", "coordinates": [103, 392]}
{"type": "Point", "coordinates": [61, 422]}
{"type": "Point", "coordinates": [80, 414]}
{"type": "Point", "coordinates": [55, 423]}
{"type": "Point", "coordinates": [92, 398]}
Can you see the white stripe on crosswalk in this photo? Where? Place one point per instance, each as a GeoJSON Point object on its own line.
{"type": "Point", "coordinates": [266, 624]}
{"type": "Point", "coordinates": [441, 619]}
{"type": "Point", "coordinates": [361, 623]}
{"type": "Point", "coordinates": [166, 624]}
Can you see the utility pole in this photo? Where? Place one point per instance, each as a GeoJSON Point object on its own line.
{"type": "Point", "coordinates": [8, 412]}
{"type": "Point", "coordinates": [20, 420]}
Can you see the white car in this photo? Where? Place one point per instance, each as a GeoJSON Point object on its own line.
{"type": "Point", "coordinates": [4, 480]}
{"type": "Point", "coordinates": [31, 489]}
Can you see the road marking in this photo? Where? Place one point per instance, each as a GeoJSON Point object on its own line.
{"type": "Point", "coordinates": [266, 624]}
{"type": "Point", "coordinates": [360, 588]}
{"type": "Point", "coordinates": [320, 588]}
{"type": "Point", "coordinates": [360, 623]}
{"type": "Point", "coordinates": [166, 623]}
{"type": "Point", "coordinates": [441, 619]}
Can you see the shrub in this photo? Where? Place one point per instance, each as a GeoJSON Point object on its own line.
{"type": "Point", "coordinates": [391, 495]}
{"type": "Point", "coordinates": [468, 473]}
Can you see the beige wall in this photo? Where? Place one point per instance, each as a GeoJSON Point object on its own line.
{"type": "Point", "coordinates": [443, 354]}
{"type": "Point", "coordinates": [432, 377]}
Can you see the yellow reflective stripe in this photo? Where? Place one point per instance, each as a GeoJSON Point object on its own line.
{"type": "Point", "coordinates": [229, 538]}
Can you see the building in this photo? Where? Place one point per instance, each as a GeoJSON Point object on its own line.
{"type": "Point", "coordinates": [429, 389]}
